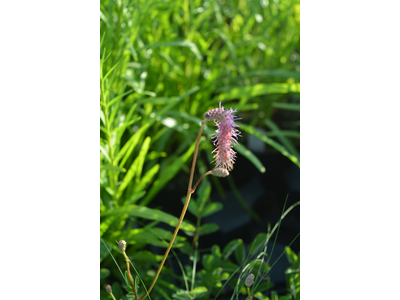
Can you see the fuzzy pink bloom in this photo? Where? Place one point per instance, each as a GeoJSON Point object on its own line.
{"type": "Point", "coordinates": [224, 136]}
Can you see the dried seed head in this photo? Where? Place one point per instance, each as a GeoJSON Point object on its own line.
{"type": "Point", "coordinates": [224, 136]}
{"type": "Point", "coordinates": [249, 280]}
{"type": "Point", "coordinates": [220, 172]}
{"type": "Point", "coordinates": [122, 245]}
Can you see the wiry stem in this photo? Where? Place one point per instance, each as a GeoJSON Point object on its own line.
{"type": "Point", "coordinates": [185, 206]}
{"type": "Point", "coordinates": [129, 275]}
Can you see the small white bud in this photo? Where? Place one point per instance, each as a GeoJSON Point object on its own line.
{"type": "Point", "coordinates": [108, 289]}
{"type": "Point", "coordinates": [220, 172]}
{"type": "Point", "coordinates": [122, 245]}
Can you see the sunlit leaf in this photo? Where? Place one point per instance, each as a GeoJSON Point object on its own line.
{"type": "Point", "coordinates": [150, 214]}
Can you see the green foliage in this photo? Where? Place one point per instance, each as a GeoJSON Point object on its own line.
{"type": "Point", "coordinates": [163, 64]}
{"type": "Point", "coordinates": [293, 274]}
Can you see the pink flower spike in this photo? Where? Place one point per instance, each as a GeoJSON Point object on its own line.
{"type": "Point", "coordinates": [224, 136]}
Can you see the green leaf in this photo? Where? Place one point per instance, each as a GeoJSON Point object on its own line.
{"type": "Point", "coordinates": [168, 173]}
{"type": "Point", "coordinates": [105, 153]}
{"type": "Point", "coordinates": [229, 44]}
{"type": "Point", "coordinates": [102, 117]}
{"type": "Point", "coordinates": [199, 291]}
{"type": "Point", "coordinates": [188, 44]}
{"type": "Point", "coordinates": [135, 197]}
{"type": "Point", "coordinates": [288, 106]}
{"type": "Point", "coordinates": [123, 127]}
{"type": "Point", "coordinates": [274, 295]}
{"type": "Point", "coordinates": [146, 179]}
{"type": "Point", "coordinates": [208, 228]}
{"type": "Point", "coordinates": [230, 248]}
{"type": "Point", "coordinates": [272, 143]}
{"type": "Point", "coordinates": [196, 293]}
{"type": "Point", "coordinates": [136, 167]}
{"type": "Point", "coordinates": [265, 286]}
{"type": "Point", "coordinates": [204, 193]}
{"type": "Point", "coordinates": [109, 72]}
{"type": "Point", "coordinates": [137, 283]}
{"type": "Point", "coordinates": [105, 225]}
{"type": "Point", "coordinates": [103, 250]}
{"type": "Point", "coordinates": [286, 143]}
{"type": "Point", "coordinates": [250, 156]}
{"type": "Point", "coordinates": [117, 291]}
{"type": "Point", "coordinates": [119, 97]}
{"type": "Point", "coordinates": [112, 168]}
{"type": "Point", "coordinates": [257, 244]}
{"type": "Point", "coordinates": [260, 296]}
{"type": "Point", "coordinates": [104, 273]}
{"type": "Point", "coordinates": [291, 256]}
{"type": "Point", "coordinates": [150, 214]}
{"type": "Point", "coordinates": [207, 262]}
{"type": "Point", "coordinates": [240, 252]}
{"type": "Point", "coordinates": [145, 257]}
{"type": "Point", "coordinates": [128, 286]}
{"type": "Point", "coordinates": [130, 295]}
{"type": "Point", "coordinates": [258, 90]}
{"type": "Point", "coordinates": [127, 149]}
{"type": "Point", "coordinates": [127, 121]}
{"type": "Point", "coordinates": [211, 208]}
{"type": "Point", "coordinates": [277, 73]}
{"type": "Point", "coordinates": [212, 261]}
{"type": "Point", "coordinates": [154, 236]}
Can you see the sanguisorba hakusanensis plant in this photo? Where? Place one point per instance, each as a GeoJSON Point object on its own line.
{"type": "Point", "coordinates": [224, 157]}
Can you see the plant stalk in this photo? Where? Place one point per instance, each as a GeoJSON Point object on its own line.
{"type": "Point", "coordinates": [185, 206]}
{"type": "Point", "coordinates": [129, 274]}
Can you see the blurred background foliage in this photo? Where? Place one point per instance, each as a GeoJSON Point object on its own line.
{"type": "Point", "coordinates": [163, 65]}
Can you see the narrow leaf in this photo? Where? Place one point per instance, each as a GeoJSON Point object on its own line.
{"type": "Point", "coordinates": [168, 174]}
{"type": "Point", "coordinates": [250, 156]}
{"type": "Point", "coordinates": [136, 167]}
{"type": "Point", "coordinates": [259, 89]}
{"type": "Point", "coordinates": [272, 143]}
{"type": "Point", "coordinates": [150, 214]}
{"type": "Point", "coordinates": [112, 168]}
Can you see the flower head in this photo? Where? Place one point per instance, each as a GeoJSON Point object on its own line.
{"type": "Point", "coordinates": [249, 280]}
{"type": "Point", "coordinates": [224, 136]}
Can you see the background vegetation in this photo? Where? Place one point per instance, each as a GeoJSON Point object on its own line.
{"type": "Point", "coordinates": [163, 65]}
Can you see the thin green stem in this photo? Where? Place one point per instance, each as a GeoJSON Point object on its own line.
{"type": "Point", "coordinates": [248, 292]}
{"type": "Point", "coordinates": [185, 206]}
{"type": "Point", "coordinates": [112, 296]}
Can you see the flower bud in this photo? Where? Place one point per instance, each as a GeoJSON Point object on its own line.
{"type": "Point", "coordinates": [122, 245]}
{"type": "Point", "coordinates": [249, 280]}
{"type": "Point", "coordinates": [220, 172]}
{"type": "Point", "coordinates": [108, 289]}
